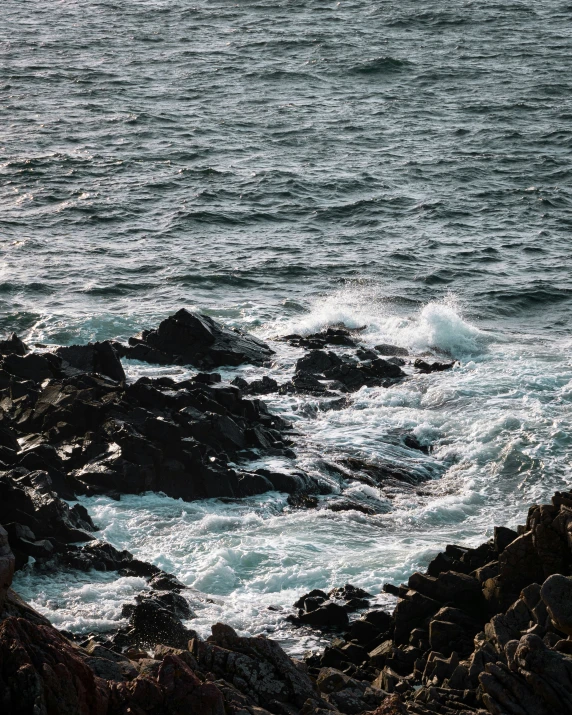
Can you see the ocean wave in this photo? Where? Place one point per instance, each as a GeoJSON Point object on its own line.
{"type": "Point", "coordinates": [380, 65]}
{"type": "Point", "coordinates": [437, 326]}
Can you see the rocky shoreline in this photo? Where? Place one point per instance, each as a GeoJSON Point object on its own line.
{"type": "Point", "coordinates": [483, 630]}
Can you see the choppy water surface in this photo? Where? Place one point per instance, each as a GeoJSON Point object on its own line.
{"type": "Point", "coordinates": [285, 166]}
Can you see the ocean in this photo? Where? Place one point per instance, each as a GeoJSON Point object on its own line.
{"type": "Point", "coordinates": [284, 167]}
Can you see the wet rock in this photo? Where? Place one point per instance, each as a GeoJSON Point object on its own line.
{"type": "Point", "coordinates": [426, 367]}
{"type": "Point", "coordinates": [556, 593]}
{"type": "Point", "coordinates": [99, 358]}
{"type": "Point", "coordinates": [195, 339]}
{"type": "Point", "coordinates": [7, 564]}
{"type": "Point", "coordinates": [255, 666]}
{"type": "Point", "coordinates": [45, 514]}
{"type": "Point", "coordinates": [265, 386]}
{"type": "Point", "coordinates": [41, 672]}
{"type": "Point", "coordinates": [302, 500]}
{"type": "Point", "coordinates": [153, 621]}
{"type": "Point", "coordinates": [327, 615]}
{"type": "Point", "coordinates": [388, 349]}
{"type": "Point", "coordinates": [34, 366]}
{"type": "Point", "coordinates": [13, 345]}
{"type": "Point", "coordinates": [348, 592]}
{"type": "Point", "coordinates": [330, 336]}
{"type": "Point", "coordinates": [317, 361]}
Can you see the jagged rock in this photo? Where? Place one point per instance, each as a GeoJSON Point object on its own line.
{"type": "Point", "coordinates": [388, 349]}
{"type": "Point", "coordinates": [426, 367]}
{"type": "Point", "coordinates": [256, 666]}
{"type": "Point", "coordinates": [346, 694]}
{"type": "Point", "coordinates": [152, 621]}
{"type": "Point", "coordinates": [34, 366]}
{"type": "Point", "coordinates": [330, 336]}
{"type": "Point", "coordinates": [329, 615]}
{"type": "Point", "coordinates": [7, 563]}
{"type": "Point", "coordinates": [42, 511]}
{"type": "Point", "coordinates": [94, 357]}
{"type": "Point", "coordinates": [265, 386]}
{"type": "Point", "coordinates": [41, 672]}
{"type": "Point", "coordinates": [195, 339]}
{"type": "Point", "coordinates": [14, 345]}
{"type": "Point", "coordinates": [556, 593]}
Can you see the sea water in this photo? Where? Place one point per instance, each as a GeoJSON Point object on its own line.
{"type": "Point", "coordinates": [284, 167]}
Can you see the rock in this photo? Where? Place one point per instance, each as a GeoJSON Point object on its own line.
{"type": "Point", "coordinates": [195, 339]}
{"type": "Point", "coordinates": [13, 345]}
{"type": "Point", "coordinates": [42, 511]}
{"type": "Point", "coordinates": [426, 367]}
{"type": "Point", "coordinates": [265, 386]}
{"type": "Point", "coordinates": [503, 537]}
{"type": "Point", "coordinates": [348, 592]}
{"type": "Point", "coordinates": [40, 672]}
{"type": "Point", "coordinates": [315, 594]}
{"type": "Point", "coordinates": [346, 694]}
{"type": "Point", "coordinates": [185, 693]}
{"type": "Point", "coordinates": [33, 366]}
{"type": "Point", "coordinates": [100, 358]}
{"type": "Point", "coordinates": [317, 361]}
{"type": "Point", "coordinates": [556, 592]}
{"type": "Point", "coordinates": [7, 563]}
{"type": "Point", "coordinates": [388, 349]}
{"type": "Point", "coordinates": [327, 615]}
{"type": "Point", "coordinates": [255, 666]}
{"type": "Point", "coordinates": [330, 336]}
{"type": "Point", "coordinates": [152, 622]}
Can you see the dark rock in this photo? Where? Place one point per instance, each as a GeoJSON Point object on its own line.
{"type": "Point", "coordinates": [302, 500]}
{"type": "Point", "coordinates": [426, 367]}
{"type": "Point", "coordinates": [315, 594]}
{"type": "Point", "coordinates": [388, 349]}
{"type": "Point", "coordinates": [329, 615]}
{"type": "Point", "coordinates": [13, 345]}
{"type": "Point", "coordinates": [33, 367]}
{"type": "Point", "coordinates": [503, 537]}
{"type": "Point", "coordinates": [7, 564]}
{"type": "Point", "coordinates": [196, 339]}
{"type": "Point", "coordinates": [556, 594]}
{"type": "Point", "coordinates": [42, 511]}
{"type": "Point", "coordinates": [317, 361]}
{"type": "Point", "coordinates": [153, 621]}
{"type": "Point", "coordinates": [265, 386]}
{"type": "Point", "coordinates": [257, 666]}
{"type": "Point", "coordinates": [348, 592]}
{"type": "Point", "coordinates": [100, 358]}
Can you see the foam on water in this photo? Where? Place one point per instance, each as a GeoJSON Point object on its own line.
{"type": "Point", "coordinates": [437, 326]}
{"type": "Point", "coordinates": [500, 429]}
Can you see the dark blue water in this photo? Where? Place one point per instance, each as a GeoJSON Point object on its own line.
{"type": "Point", "coordinates": [235, 156]}
{"type": "Point", "coordinates": [284, 166]}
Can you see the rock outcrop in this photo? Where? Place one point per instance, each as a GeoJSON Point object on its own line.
{"type": "Point", "coordinates": [188, 338]}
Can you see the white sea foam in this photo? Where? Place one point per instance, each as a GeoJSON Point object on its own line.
{"type": "Point", "coordinates": [500, 429]}
{"type": "Point", "coordinates": [438, 326]}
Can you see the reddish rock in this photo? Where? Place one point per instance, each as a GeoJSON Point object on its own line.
{"type": "Point", "coordinates": [40, 672]}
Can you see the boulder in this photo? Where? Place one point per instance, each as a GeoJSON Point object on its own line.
{"type": "Point", "coordinates": [388, 349]}
{"type": "Point", "coordinates": [40, 672]}
{"type": "Point", "coordinates": [426, 367]}
{"type": "Point", "coordinates": [195, 339]}
{"type": "Point", "coordinates": [556, 592]}
{"type": "Point", "coordinates": [14, 345]}
{"type": "Point", "coordinates": [255, 666]}
{"type": "Point", "coordinates": [100, 358]}
{"type": "Point", "coordinates": [7, 563]}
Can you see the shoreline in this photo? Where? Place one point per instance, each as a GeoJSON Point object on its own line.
{"type": "Point", "coordinates": [72, 425]}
